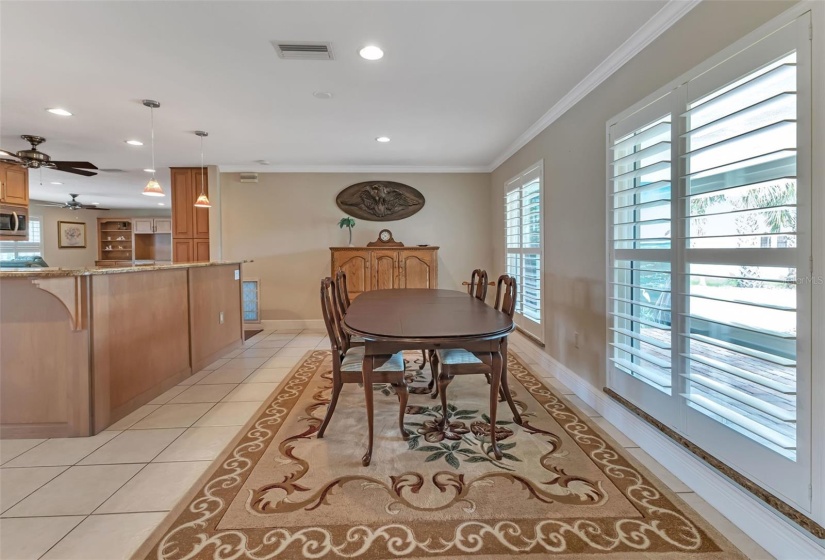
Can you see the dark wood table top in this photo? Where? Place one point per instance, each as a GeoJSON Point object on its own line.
{"type": "Point", "coordinates": [416, 314]}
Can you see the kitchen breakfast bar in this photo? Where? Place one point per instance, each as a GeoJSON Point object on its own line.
{"type": "Point", "coordinates": [82, 348]}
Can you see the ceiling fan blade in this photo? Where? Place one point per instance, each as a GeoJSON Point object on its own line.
{"type": "Point", "coordinates": [80, 164]}
{"type": "Point", "coordinates": [76, 171]}
{"type": "Point", "coordinates": [52, 205]}
{"type": "Point", "coordinates": [95, 208]}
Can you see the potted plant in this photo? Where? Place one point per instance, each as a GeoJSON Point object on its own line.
{"type": "Point", "coordinates": [349, 223]}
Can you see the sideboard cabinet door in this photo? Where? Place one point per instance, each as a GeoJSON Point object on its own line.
{"type": "Point", "coordinates": [417, 269]}
{"type": "Point", "coordinates": [356, 266]}
{"type": "Point", "coordinates": [384, 270]}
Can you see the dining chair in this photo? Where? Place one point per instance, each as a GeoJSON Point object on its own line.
{"type": "Point", "coordinates": [342, 293]}
{"type": "Point", "coordinates": [347, 360]}
{"type": "Point", "coordinates": [456, 361]}
{"type": "Point", "coordinates": [478, 289]}
{"type": "Point", "coordinates": [478, 284]}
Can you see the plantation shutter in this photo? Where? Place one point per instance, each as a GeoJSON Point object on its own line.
{"type": "Point", "coordinates": [742, 253]}
{"type": "Point", "coordinates": [523, 232]}
{"type": "Point", "coordinates": [639, 235]}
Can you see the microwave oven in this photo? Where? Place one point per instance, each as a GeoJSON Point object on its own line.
{"type": "Point", "coordinates": [14, 221]}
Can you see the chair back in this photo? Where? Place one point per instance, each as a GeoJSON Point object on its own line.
{"type": "Point", "coordinates": [478, 284]}
{"type": "Point", "coordinates": [341, 288]}
{"type": "Point", "coordinates": [329, 309]}
{"type": "Point", "coordinates": [506, 291]}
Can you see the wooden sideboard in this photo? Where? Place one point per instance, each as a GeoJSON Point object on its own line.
{"type": "Point", "coordinates": [382, 268]}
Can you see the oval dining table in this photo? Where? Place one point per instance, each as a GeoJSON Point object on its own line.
{"type": "Point", "coordinates": [390, 321]}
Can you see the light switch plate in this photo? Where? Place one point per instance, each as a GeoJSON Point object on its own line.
{"type": "Point", "coordinates": [220, 317]}
{"type": "Point", "coordinates": [237, 274]}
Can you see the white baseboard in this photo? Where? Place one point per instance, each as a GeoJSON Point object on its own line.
{"type": "Point", "coordinates": [274, 324]}
{"type": "Point", "coordinates": [769, 529]}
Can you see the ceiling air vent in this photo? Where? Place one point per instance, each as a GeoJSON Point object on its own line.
{"type": "Point", "coordinates": [249, 177]}
{"type": "Point", "coordinates": [303, 50]}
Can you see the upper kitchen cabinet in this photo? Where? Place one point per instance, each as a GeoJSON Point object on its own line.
{"type": "Point", "coordinates": [188, 222]}
{"type": "Point", "coordinates": [14, 184]}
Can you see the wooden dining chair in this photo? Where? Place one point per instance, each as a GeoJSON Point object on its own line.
{"type": "Point", "coordinates": [347, 361]}
{"type": "Point", "coordinates": [478, 284]}
{"type": "Point", "coordinates": [343, 302]}
{"type": "Point", "coordinates": [478, 289]}
{"type": "Point", "coordinates": [456, 361]}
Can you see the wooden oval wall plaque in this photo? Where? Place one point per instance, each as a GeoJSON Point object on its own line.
{"type": "Point", "coordinates": [380, 201]}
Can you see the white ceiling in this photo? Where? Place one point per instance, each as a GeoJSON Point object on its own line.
{"type": "Point", "coordinates": [459, 82]}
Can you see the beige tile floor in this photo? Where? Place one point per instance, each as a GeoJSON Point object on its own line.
{"type": "Point", "coordinates": [98, 498]}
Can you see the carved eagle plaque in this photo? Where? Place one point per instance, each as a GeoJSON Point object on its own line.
{"type": "Point", "coordinates": [380, 201]}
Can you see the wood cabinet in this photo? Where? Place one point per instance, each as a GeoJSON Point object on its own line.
{"type": "Point", "coordinates": [14, 184]}
{"type": "Point", "coordinates": [152, 225]}
{"type": "Point", "coordinates": [183, 250]}
{"type": "Point", "coordinates": [189, 223]}
{"type": "Point", "coordinates": [129, 241]}
{"type": "Point", "coordinates": [378, 268]}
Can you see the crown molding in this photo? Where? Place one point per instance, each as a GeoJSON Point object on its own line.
{"type": "Point", "coordinates": [662, 20]}
{"type": "Point", "coordinates": [254, 168]}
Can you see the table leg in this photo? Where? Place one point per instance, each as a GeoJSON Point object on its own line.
{"type": "Point", "coordinates": [505, 384]}
{"type": "Point", "coordinates": [366, 373]}
{"type": "Point", "coordinates": [495, 383]}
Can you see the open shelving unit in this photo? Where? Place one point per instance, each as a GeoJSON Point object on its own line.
{"type": "Point", "coordinates": [115, 241]}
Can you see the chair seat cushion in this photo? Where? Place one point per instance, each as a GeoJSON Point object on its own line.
{"type": "Point", "coordinates": [456, 356]}
{"type": "Point", "coordinates": [355, 358]}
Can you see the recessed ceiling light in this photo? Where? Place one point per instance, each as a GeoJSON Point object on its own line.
{"type": "Point", "coordinates": [56, 183]}
{"type": "Point", "coordinates": [147, 170]}
{"type": "Point", "coordinates": [95, 204]}
{"type": "Point", "coordinates": [263, 162]}
{"type": "Point", "coordinates": [59, 111]}
{"type": "Point", "coordinates": [161, 204]}
{"type": "Point", "coordinates": [322, 95]}
{"type": "Point", "coordinates": [383, 139]}
{"type": "Point", "coordinates": [371, 52]}
{"type": "Point", "coordinates": [134, 142]}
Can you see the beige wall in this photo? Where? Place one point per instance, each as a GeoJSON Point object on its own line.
{"type": "Point", "coordinates": [73, 258]}
{"type": "Point", "coordinates": [573, 149]}
{"type": "Point", "coordinates": [287, 221]}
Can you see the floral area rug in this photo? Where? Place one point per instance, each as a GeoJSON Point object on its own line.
{"type": "Point", "coordinates": [562, 487]}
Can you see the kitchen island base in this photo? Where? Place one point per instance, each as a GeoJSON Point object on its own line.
{"type": "Point", "coordinates": [81, 350]}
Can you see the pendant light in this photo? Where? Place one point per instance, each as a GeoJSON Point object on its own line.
{"type": "Point", "coordinates": [152, 188]}
{"type": "Point", "coordinates": [202, 201]}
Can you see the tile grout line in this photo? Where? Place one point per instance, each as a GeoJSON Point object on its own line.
{"type": "Point", "coordinates": [26, 451]}
{"type": "Point", "coordinates": [65, 468]}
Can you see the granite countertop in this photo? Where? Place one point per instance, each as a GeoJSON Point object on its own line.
{"type": "Point", "coordinates": [53, 272]}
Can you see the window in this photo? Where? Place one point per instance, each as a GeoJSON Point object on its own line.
{"type": "Point", "coordinates": [13, 250]}
{"type": "Point", "coordinates": [251, 301]}
{"type": "Point", "coordinates": [708, 192]}
{"type": "Point", "coordinates": [523, 218]}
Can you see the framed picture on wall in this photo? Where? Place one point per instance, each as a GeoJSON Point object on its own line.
{"type": "Point", "coordinates": [71, 235]}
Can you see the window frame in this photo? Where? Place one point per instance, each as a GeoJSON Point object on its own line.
{"type": "Point", "coordinates": [536, 168]}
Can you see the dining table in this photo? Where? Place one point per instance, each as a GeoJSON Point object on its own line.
{"type": "Point", "coordinates": [391, 321]}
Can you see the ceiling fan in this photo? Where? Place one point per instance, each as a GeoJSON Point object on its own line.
{"type": "Point", "coordinates": [73, 204]}
{"type": "Point", "coordinates": [34, 159]}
